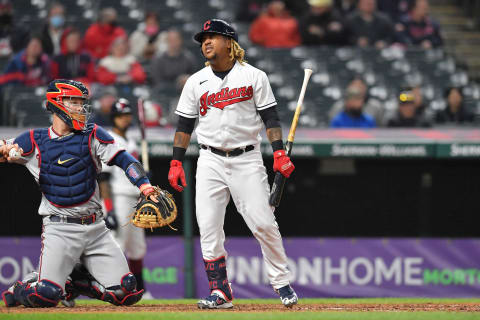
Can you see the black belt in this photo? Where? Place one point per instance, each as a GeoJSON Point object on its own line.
{"type": "Point", "coordinates": [231, 153]}
{"type": "Point", "coordinates": [84, 220]}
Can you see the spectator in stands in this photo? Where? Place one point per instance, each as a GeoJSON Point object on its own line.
{"type": "Point", "coordinates": [102, 107]}
{"type": "Point", "coordinates": [455, 112]}
{"type": "Point", "coordinates": [322, 25]}
{"type": "Point", "coordinates": [173, 63]}
{"type": "Point", "coordinates": [120, 67]}
{"type": "Point", "coordinates": [369, 28]}
{"type": "Point", "coordinates": [73, 63]}
{"type": "Point", "coordinates": [53, 29]}
{"type": "Point", "coordinates": [100, 36]}
{"type": "Point", "coordinates": [13, 38]}
{"type": "Point", "coordinates": [275, 28]}
{"type": "Point", "coordinates": [248, 10]}
{"type": "Point", "coordinates": [352, 115]}
{"type": "Point", "coordinates": [29, 67]}
{"type": "Point", "coordinates": [147, 41]}
{"type": "Point", "coordinates": [406, 116]}
{"type": "Point", "coordinates": [418, 29]}
{"type": "Point", "coordinates": [345, 7]}
{"type": "Point", "coordinates": [371, 106]}
{"type": "Point", "coordinates": [395, 9]}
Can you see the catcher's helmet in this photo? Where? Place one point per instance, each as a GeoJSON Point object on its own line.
{"type": "Point", "coordinates": [58, 92]}
{"type": "Point", "coordinates": [216, 26]}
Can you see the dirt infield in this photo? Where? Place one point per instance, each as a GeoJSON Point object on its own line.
{"type": "Point", "coordinates": [385, 307]}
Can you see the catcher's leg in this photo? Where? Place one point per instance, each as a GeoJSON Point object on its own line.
{"type": "Point", "coordinates": [211, 201]}
{"type": "Point", "coordinates": [105, 261]}
{"type": "Point", "coordinates": [8, 295]}
{"type": "Point", "coordinates": [250, 192]}
{"type": "Point", "coordinates": [36, 294]}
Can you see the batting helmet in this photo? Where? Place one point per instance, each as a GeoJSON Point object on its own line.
{"type": "Point", "coordinates": [59, 95]}
{"type": "Point", "coordinates": [121, 106]}
{"type": "Point", "coordinates": [216, 26]}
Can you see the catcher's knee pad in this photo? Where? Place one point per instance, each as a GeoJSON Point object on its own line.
{"type": "Point", "coordinates": [125, 294]}
{"type": "Point", "coordinates": [81, 282]}
{"type": "Point", "coordinates": [41, 294]}
{"type": "Point", "coordinates": [217, 277]}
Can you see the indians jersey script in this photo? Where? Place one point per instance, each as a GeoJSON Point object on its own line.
{"type": "Point", "coordinates": [227, 109]}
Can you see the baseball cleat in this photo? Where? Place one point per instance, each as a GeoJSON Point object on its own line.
{"type": "Point", "coordinates": [214, 301]}
{"type": "Point", "coordinates": [68, 303]}
{"type": "Point", "coordinates": [287, 296]}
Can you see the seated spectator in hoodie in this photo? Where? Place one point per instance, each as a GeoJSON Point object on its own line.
{"type": "Point", "coordinates": [148, 40]}
{"type": "Point", "coordinates": [418, 29]}
{"type": "Point", "coordinates": [120, 67]}
{"type": "Point", "coordinates": [30, 67]}
{"type": "Point", "coordinates": [100, 36]}
{"type": "Point", "coordinates": [176, 61]}
{"type": "Point", "coordinates": [352, 115]}
{"type": "Point", "coordinates": [275, 28]}
{"type": "Point", "coordinates": [395, 9]}
{"type": "Point", "coordinates": [455, 112]}
{"type": "Point", "coordinates": [73, 63]}
{"type": "Point", "coordinates": [368, 27]}
{"type": "Point", "coordinates": [53, 29]}
{"type": "Point", "coordinates": [407, 116]}
{"type": "Point", "coordinates": [322, 25]}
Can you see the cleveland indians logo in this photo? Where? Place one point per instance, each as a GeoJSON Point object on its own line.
{"type": "Point", "coordinates": [224, 98]}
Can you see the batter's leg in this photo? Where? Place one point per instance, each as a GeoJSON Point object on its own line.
{"type": "Point", "coordinates": [250, 192]}
{"type": "Point", "coordinates": [212, 197]}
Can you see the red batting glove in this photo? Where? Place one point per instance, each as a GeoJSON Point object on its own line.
{"type": "Point", "coordinates": [282, 163]}
{"type": "Point", "coordinates": [176, 171]}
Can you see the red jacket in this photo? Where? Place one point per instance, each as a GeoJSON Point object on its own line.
{"type": "Point", "coordinates": [99, 37]}
{"type": "Point", "coordinates": [107, 77]}
{"type": "Point", "coordinates": [275, 32]}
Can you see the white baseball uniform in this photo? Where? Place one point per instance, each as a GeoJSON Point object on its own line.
{"type": "Point", "coordinates": [124, 195]}
{"type": "Point", "coordinates": [228, 119]}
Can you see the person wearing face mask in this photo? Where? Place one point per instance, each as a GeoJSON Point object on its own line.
{"type": "Point", "coordinates": [353, 116]}
{"type": "Point", "coordinates": [100, 36]}
{"type": "Point", "coordinates": [148, 40]}
{"type": "Point", "coordinates": [53, 29]}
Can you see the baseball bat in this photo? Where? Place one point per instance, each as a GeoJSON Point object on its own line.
{"type": "Point", "coordinates": [144, 144]}
{"type": "Point", "coordinates": [279, 181]}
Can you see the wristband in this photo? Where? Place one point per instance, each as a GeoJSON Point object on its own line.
{"type": "Point", "coordinates": [146, 189]}
{"type": "Point", "coordinates": [277, 145]}
{"type": "Point", "coordinates": [179, 153]}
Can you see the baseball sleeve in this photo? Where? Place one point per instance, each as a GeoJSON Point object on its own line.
{"type": "Point", "coordinates": [263, 94]}
{"type": "Point", "coordinates": [187, 104]}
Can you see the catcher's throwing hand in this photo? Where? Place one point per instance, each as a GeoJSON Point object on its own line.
{"type": "Point", "coordinates": [155, 208]}
{"type": "Point", "coordinates": [282, 163]}
{"type": "Point", "coordinates": [176, 172]}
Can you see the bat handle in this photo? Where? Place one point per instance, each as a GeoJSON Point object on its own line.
{"type": "Point", "coordinates": [277, 189]}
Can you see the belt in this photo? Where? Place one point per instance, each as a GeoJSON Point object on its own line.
{"type": "Point", "coordinates": [231, 153]}
{"type": "Point", "coordinates": [83, 220]}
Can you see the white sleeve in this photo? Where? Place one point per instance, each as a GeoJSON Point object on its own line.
{"type": "Point", "coordinates": [187, 104]}
{"type": "Point", "coordinates": [105, 152]}
{"type": "Point", "coordinates": [263, 93]}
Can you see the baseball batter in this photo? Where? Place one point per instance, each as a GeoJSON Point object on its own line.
{"type": "Point", "coordinates": [230, 99]}
{"type": "Point", "coordinates": [65, 160]}
{"type": "Point", "coordinates": [120, 196]}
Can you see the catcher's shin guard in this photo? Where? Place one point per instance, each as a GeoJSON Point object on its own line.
{"type": "Point", "coordinates": [125, 294]}
{"type": "Point", "coordinates": [217, 278]}
{"type": "Point", "coordinates": [41, 294]}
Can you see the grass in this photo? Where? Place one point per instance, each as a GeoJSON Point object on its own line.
{"type": "Point", "coordinates": [275, 315]}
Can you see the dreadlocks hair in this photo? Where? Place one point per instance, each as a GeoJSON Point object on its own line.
{"type": "Point", "coordinates": [236, 53]}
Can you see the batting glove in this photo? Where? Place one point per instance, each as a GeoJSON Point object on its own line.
{"type": "Point", "coordinates": [111, 221]}
{"type": "Point", "coordinates": [282, 163]}
{"type": "Point", "coordinates": [176, 172]}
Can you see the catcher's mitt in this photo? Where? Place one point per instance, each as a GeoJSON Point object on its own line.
{"type": "Point", "coordinates": [150, 214]}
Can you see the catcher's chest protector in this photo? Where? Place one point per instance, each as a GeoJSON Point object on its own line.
{"type": "Point", "coordinates": [67, 171]}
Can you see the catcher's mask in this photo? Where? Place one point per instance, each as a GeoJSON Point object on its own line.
{"type": "Point", "coordinates": [70, 101]}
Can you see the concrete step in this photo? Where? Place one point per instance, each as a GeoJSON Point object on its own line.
{"type": "Point", "coordinates": [446, 10]}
